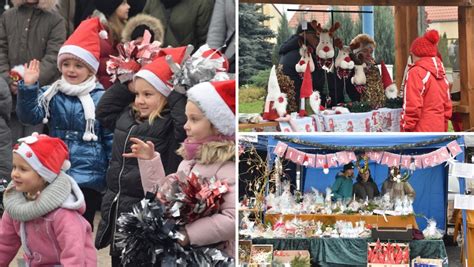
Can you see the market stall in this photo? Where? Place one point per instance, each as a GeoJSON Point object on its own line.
{"type": "Point", "coordinates": [312, 221]}
{"type": "Point", "coordinates": [406, 30]}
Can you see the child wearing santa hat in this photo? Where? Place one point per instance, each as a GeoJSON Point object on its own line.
{"type": "Point", "coordinates": [42, 208]}
{"type": "Point", "coordinates": [208, 150]}
{"type": "Point", "coordinates": [68, 107]}
{"type": "Point", "coordinates": [153, 111]}
{"type": "Point", "coordinates": [426, 102]}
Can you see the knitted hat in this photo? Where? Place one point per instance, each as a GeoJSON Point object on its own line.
{"type": "Point", "coordinates": [84, 44]}
{"type": "Point", "coordinates": [217, 101]}
{"type": "Point", "coordinates": [426, 45]}
{"type": "Point", "coordinates": [348, 166]}
{"type": "Point", "coordinates": [46, 155]}
{"type": "Point", "coordinates": [390, 87]}
{"type": "Point", "coordinates": [276, 101]}
{"type": "Point", "coordinates": [107, 7]}
{"type": "Point", "coordinates": [158, 73]}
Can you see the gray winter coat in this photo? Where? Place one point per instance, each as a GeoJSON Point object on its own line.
{"type": "Point", "coordinates": [185, 23]}
{"type": "Point", "coordinates": [5, 133]}
{"type": "Point", "coordinates": [222, 26]}
{"type": "Point", "coordinates": [28, 33]}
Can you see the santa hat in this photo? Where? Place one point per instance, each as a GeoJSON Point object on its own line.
{"type": "Point", "coordinates": [217, 101]}
{"type": "Point", "coordinates": [48, 156]}
{"type": "Point", "coordinates": [389, 86]}
{"type": "Point", "coordinates": [218, 56]}
{"type": "Point", "coordinates": [276, 101]}
{"type": "Point", "coordinates": [159, 73]}
{"type": "Point", "coordinates": [84, 44]}
{"type": "Point", "coordinates": [426, 45]}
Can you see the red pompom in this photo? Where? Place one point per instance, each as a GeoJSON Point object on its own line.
{"type": "Point", "coordinates": [432, 36]}
{"type": "Point", "coordinates": [281, 99]}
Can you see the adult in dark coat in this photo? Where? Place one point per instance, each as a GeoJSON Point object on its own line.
{"type": "Point", "coordinates": [124, 187]}
{"type": "Point", "coordinates": [290, 55]}
{"type": "Point", "coordinates": [365, 186]}
{"type": "Point", "coordinates": [5, 133]}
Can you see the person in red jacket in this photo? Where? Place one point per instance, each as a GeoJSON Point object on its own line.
{"type": "Point", "coordinates": [427, 104]}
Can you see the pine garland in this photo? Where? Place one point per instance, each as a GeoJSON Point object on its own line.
{"type": "Point", "coordinates": [358, 107]}
{"type": "Point", "coordinates": [287, 86]}
{"type": "Point", "coordinates": [367, 148]}
{"type": "Point", "coordinates": [394, 103]}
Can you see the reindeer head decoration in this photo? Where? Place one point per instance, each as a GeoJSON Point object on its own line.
{"type": "Point", "coordinates": [325, 48]}
{"type": "Point", "coordinates": [343, 59]}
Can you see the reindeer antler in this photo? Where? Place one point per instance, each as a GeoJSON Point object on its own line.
{"type": "Point", "coordinates": [319, 29]}
{"type": "Point", "coordinates": [338, 43]}
{"type": "Point", "coordinates": [314, 24]}
{"type": "Point", "coordinates": [334, 28]}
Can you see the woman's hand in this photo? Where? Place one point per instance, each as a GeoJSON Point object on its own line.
{"type": "Point", "coordinates": [141, 150]}
{"type": "Point", "coordinates": [32, 72]}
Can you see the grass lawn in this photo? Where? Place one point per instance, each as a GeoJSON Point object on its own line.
{"type": "Point", "coordinates": [251, 107]}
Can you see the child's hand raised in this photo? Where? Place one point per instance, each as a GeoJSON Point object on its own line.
{"type": "Point", "coordinates": [141, 150]}
{"type": "Point", "coordinates": [32, 72]}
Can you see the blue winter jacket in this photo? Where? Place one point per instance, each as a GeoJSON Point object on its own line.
{"type": "Point", "coordinates": [89, 160]}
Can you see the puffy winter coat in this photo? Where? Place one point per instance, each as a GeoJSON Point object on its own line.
{"type": "Point", "coordinates": [54, 232]}
{"type": "Point", "coordinates": [186, 23]}
{"type": "Point", "coordinates": [217, 228]}
{"type": "Point", "coordinates": [28, 33]}
{"type": "Point", "coordinates": [124, 188]}
{"type": "Point", "coordinates": [427, 104]}
{"type": "Point", "coordinates": [89, 160]}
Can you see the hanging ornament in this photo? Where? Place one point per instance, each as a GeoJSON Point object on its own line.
{"type": "Point", "coordinates": [325, 169]}
{"type": "Point", "coordinates": [412, 166]}
{"type": "Point", "coordinates": [305, 160]}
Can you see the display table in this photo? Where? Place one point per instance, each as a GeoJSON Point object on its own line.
{"type": "Point", "coordinates": [380, 120]}
{"type": "Point", "coordinates": [392, 221]}
{"type": "Point", "coordinates": [351, 252]}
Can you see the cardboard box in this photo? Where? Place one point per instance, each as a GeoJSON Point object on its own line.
{"type": "Point", "coordinates": [418, 262]}
{"type": "Point", "coordinates": [245, 248]}
{"type": "Point", "coordinates": [261, 254]}
{"type": "Point", "coordinates": [403, 246]}
{"type": "Point", "coordinates": [286, 256]}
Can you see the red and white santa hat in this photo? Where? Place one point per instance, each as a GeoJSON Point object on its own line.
{"type": "Point", "coordinates": [217, 101]}
{"type": "Point", "coordinates": [390, 87]}
{"type": "Point", "coordinates": [158, 73]}
{"type": "Point", "coordinates": [46, 155]}
{"type": "Point", "coordinates": [84, 44]}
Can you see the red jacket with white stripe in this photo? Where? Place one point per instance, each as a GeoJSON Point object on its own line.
{"type": "Point", "coordinates": [426, 102]}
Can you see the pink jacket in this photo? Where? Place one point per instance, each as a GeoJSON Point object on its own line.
{"type": "Point", "coordinates": [219, 227]}
{"type": "Point", "coordinates": [60, 237]}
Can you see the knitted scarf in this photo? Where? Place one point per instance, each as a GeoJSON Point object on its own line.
{"type": "Point", "coordinates": [82, 91]}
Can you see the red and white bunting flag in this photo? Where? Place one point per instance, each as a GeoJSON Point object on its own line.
{"type": "Point", "coordinates": [342, 157]}
{"type": "Point", "coordinates": [405, 161]}
{"type": "Point", "coordinates": [454, 148]}
{"type": "Point", "coordinates": [351, 155]}
{"type": "Point", "coordinates": [290, 153]}
{"type": "Point", "coordinates": [320, 161]}
{"type": "Point", "coordinates": [390, 159]}
{"type": "Point", "coordinates": [436, 157]}
{"type": "Point", "coordinates": [418, 162]}
{"type": "Point", "coordinates": [311, 158]}
{"type": "Point", "coordinates": [427, 160]}
{"type": "Point", "coordinates": [299, 158]}
{"type": "Point", "coordinates": [375, 156]}
{"type": "Point", "coordinates": [331, 160]}
{"type": "Point", "coordinates": [280, 149]}
{"type": "Point", "coordinates": [443, 154]}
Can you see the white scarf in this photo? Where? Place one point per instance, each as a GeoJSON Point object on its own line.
{"type": "Point", "coordinates": [82, 91]}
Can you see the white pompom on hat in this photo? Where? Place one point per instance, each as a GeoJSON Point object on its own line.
{"type": "Point", "coordinates": [217, 101]}
{"type": "Point", "coordinates": [46, 155]}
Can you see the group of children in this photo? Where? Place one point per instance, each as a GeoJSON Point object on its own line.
{"type": "Point", "coordinates": [134, 134]}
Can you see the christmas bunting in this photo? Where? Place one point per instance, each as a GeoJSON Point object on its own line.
{"type": "Point", "coordinates": [341, 158]}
